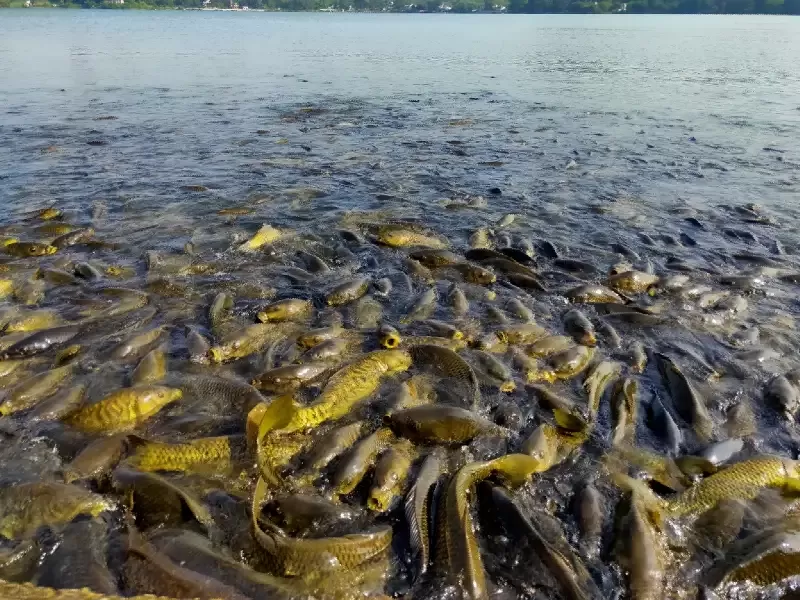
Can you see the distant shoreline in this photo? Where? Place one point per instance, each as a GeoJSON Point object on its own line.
{"type": "Point", "coordinates": [141, 7]}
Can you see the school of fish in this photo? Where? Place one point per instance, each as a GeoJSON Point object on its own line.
{"type": "Point", "coordinates": [388, 411]}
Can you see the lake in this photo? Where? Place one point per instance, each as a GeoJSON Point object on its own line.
{"type": "Point", "coordinates": [575, 146]}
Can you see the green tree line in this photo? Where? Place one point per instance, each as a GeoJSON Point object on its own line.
{"type": "Point", "coordinates": [791, 7]}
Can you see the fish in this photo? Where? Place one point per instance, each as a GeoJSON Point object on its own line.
{"type": "Point", "coordinates": [637, 357]}
{"type": "Point", "coordinates": [148, 571]}
{"type": "Point", "coordinates": [24, 507]}
{"type": "Point", "coordinates": [610, 336]}
{"type": "Point", "coordinates": [388, 336]}
{"type": "Point", "coordinates": [79, 561]}
{"type": "Point", "coordinates": [97, 459]}
{"type": "Point", "coordinates": [493, 371]}
{"type": "Point", "coordinates": [519, 310]}
{"type": "Point", "coordinates": [309, 556]}
{"type": "Point", "coordinates": [418, 507]}
{"type": "Point", "coordinates": [474, 273]}
{"type": "Point", "coordinates": [447, 363]}
{"type": "Point", "coordinates": [480, 238]}
{"type": "Point", "coordinates": [572, 577]}
{"type": "Point", "coordinates": [30, 292]}
{"type": "Point", "coordinates": [218, 312]}
{"type": "Point", "coordinates": [598, 380]}
{"type": "Point", "coordinates": [632, 281]}
{"type": "Point", "coordinates": [267, 234]}
{"type": "Point", "coordinates": [640, 553]}
{"type": "Point", "coordinates": [360, 459]}
{"type": "Point", "coordinates": [383, 287]}
{"type": "Point", "coordinates": [367, 313]}
{"type": "Point", "coordinates": [29, 249]}
{"type": "Point", "coordinates": [299, 512]}
{"type": "Point", "coordinates": [432, 258]}
{"type": "Point", "coordinates": [590, 293]}
{"type": "Point", "coordinates": [563, 365]}
{"type": "Point", "coordinates": [525, 333]}
{"type": "Point", "coordinates": [742, 480]}
{"type": "Point", "coordinates": [156, 500]}
{"type": "Point", "coordinates": [34, 389]}
{"type": "Point", "coordinates": [348, 386]}
{"type": "Point", "coordinates": [327, 351]}
{"type": "Point", "coordinates": [397, 236]}
{"type": "Point", "coordinates": [442, 329]}
{"type": "Point", "coordinates": [422, 307]}
{"type": "Point", "coordinates": [291, 309]}
{"type": "Point", "coordinates": [71, 238]}
{"type": "Point", "coordinates": [547, 445]}
{"type": "Point", "coordinates": [549, 345]}
{"type": "Point", "coordinates": [334, 444]}
{"type": "Point", "coordinates": [391, 473]}
{"type": "Point", "coordinates": [123, 409]}
{"type": "Point", "coordinates": [138, 344]}
{"type": "Point", "coordinates": [151, 369]}
{"type": "Point", "coordinates": [463, 552]}
{"type": "Point", "coordinates": [6, 288]}
{"type": "Point", "coordinates": [417, 271]}
{"type": "Point", "coordinates": [290, 377]}
{"type": "Point", "coordinates": [248, 340]}
{"type": "Point", "coordinates": [784, 395]}
{"type": "Point", "coordinates": [314, 337]}
{"type": "Point", "coordinates": [221, 395]}
{"type": "Point", "coordinates": [580, 328]}
{"type": "Point", "coordinates": [32, 321]}
{"type": "Point", "coordinates": [59, 405]}
{"type": "Point", "coordinates": [762, 558]}
{"type": "Point", "coordinates": [441, 424]}
{"type": "Point", "coordinates": [194, 551]}
{"type": "Point", "coordinates": [347, 292]}
{"type": "Point", "coordinates": [591, 512]}
{"type": "Point", "coordinates": [624, 411]}
{"type": "Point", "coordinates": [458, 301]}
{"type": "Point", "coordinates": [688, 401]}
{"type": "Point", "coordinates": [206, 455]}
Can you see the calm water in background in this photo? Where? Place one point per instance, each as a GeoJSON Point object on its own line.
{"type": "Point", "coordinates": [620, 94]}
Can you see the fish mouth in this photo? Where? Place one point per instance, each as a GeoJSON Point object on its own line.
{"type": "Point", "coordinates": [391, 342]}
{"type": "Point", "coordinates": [376, 503]}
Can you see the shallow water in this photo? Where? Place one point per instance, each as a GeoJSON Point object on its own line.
{"type": "Point", "coordinates": [594, 130]}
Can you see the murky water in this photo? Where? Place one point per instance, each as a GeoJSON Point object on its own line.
{"type": "Point", "coordinates": [643, 139]}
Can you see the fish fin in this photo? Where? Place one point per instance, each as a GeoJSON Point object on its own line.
{"type": "Point", "coordinates": [414, 529]}
{"type": "Point", "coordinates": [791, 486]}
{"type": "Point", "coordinates": [570, 421]}
{"type": "Point", "coordinates": [277, 415]}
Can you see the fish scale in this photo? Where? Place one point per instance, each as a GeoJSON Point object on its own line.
{"type": "Point", "coordinates": [743, 480]}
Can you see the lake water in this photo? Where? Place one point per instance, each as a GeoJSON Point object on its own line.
{"type": "Point", "coordinates": [644, 138]}
{"type": "Point", "coordinates": [626, 93]}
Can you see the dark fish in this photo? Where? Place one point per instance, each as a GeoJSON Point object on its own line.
{"type": "Point", "coordinates": [663, 425]}
{"type": "Point", "coordinates": [573, 578]}
{"type": "Point", "coordinates": [687, 400]}
{"type": "Point", "coordinates": [526, 282]}
{"type": "Point", "coordinates": [572, 265]}
{"type": "Point", "coordinates": [441, 424]}
{"type": "Point", "coordinates": [631, 317]}
{"type": "Point", "coordinates": [547, 249]}
{"type": "Point", "coordinates": [71, 238]}
{"type": "Point", "coordinates": [624, 251]}
{"type": "Point", "coordinates": [41, 341]}
{"type": "Point", "coordinates": [448, 364]}
{"type": "Point", "coordinates": [517, 255]}
{"type": "Point", "coordinates": [79, 561]}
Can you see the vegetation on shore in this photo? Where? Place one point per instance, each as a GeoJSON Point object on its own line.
{"type": "Point", "coordinates": [791, 7]}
